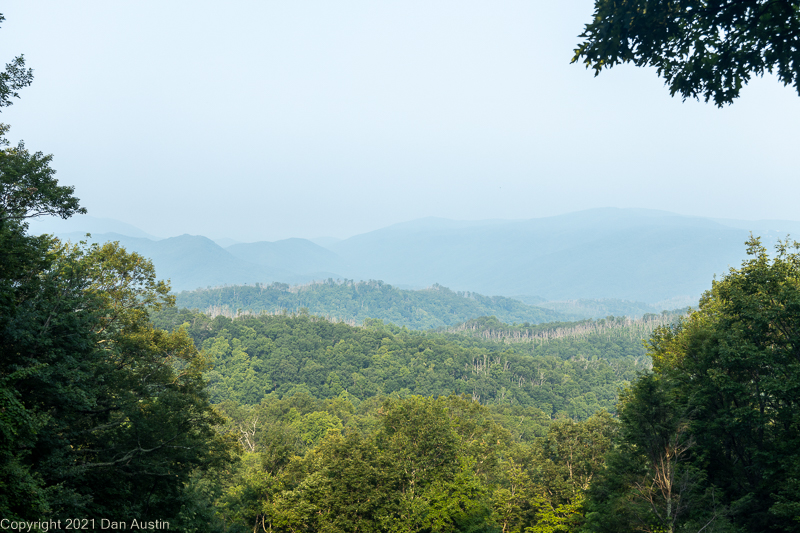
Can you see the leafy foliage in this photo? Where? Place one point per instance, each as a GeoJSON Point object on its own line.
{"type": "Point", "coordinates": [254, 356]}
{"type": "Point", "coordinates": [113, 410]}
{"type": "Point", "coordinates": [13, 78]}
{"type": "Point", "coordinates": [28, 188]}
{"type": "Point", "coordinates": [701, 48]}
{"type": "Point", "coordinates": [412, 464]}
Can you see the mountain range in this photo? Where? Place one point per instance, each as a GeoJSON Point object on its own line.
{"type": "Point", "coordinates": [628, 254]}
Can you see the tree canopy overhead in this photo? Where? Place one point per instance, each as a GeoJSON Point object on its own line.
{"type": "Point", "coordinates": [702, 48]}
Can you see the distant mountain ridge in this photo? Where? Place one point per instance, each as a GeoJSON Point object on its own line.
{"type": "Point", "coordinates": [294, 255]}
{"type": "Point", "coordinates": [635, 255]}
{"type": "Point", "coordinates": [602, 308]}
{"type": "Point", "coordinates": [192, 261]}
{"type": "Point", "coordinates": [627, 254]}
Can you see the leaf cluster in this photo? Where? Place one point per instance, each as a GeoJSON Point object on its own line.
{"type": "Point", "coordinates": [702, 48]}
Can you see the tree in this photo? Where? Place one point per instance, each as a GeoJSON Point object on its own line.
{"type": "Point", "coordinates": [738, 363]}
{"type": "Point", "coordinates": [657, 486]}
{"type": "Point", "coordinates": [706, 49]}
{"type": "Point", "coordinates": [712, 437]}
{"type": "Point", "coordinates": [22, 492]}
{"type": "Point", "coordinates": [27, 186]}
{"type": "Point", "coordinates": [118, 415]}
{"type": "Point", "coordinates": [101, 414]}
{"type": "Point", "coordinates": [546, 481]}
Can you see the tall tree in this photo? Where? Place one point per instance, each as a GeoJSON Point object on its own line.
{"type": "Point", "coordinates": [21, 258]}
{"type": "Point", "coordinates": [713, 436]}
{"type": "Point", "coordinates": [101, 414]}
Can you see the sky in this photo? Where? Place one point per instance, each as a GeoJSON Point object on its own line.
{"type": "Point", "coordinates": [263, 120]}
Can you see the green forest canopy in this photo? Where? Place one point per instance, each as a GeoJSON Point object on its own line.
{"type": "Point", "coordinates": [563, 374]}
{"type": "Point", "coordinates": [431, 308]}
{"type": "Point", "coordinates": [706, 442]}
{"type": "Point", "coordinates": [354, 302]}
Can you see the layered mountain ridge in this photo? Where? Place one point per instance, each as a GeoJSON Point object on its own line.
{"type": "Point", "coordinates": [627, 254]}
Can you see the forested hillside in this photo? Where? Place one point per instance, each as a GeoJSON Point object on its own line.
{"type": "Point", "coordinates": [354, 302]}
{"type": "Point", "coordinates": [120, 405]}
{"type": "Point", "coordinates": [566, 370]}
{"type": "Point", "coordinates": [624, 329]}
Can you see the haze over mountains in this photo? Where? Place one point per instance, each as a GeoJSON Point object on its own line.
{"type": "Point", "coordinates": [628, 254]}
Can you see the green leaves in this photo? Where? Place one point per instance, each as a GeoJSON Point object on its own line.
{"type": "Point", "coordinates": [418, 464]}
{"type": "Point", "coordinates": [111, 413]}
{"type": "Point", "coordinates": [707, 49]}
{"type": "Point", "coordinates": [28, 188]}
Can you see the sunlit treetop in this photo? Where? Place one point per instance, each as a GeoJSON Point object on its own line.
{"type": "Point", "coordinates": [703, 49]}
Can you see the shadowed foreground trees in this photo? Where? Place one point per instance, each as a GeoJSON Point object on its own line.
{"type": "Point", "coordinates": [103, 415]}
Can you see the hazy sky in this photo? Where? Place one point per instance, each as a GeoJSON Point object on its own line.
{"type": "Point", "coordinates": [261, 120]}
